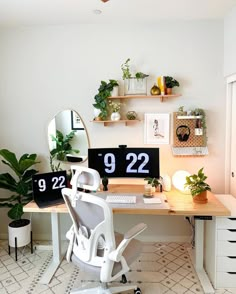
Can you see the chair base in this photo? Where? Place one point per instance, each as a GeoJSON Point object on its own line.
{"type": "Point", "coordinates": [102, 290]}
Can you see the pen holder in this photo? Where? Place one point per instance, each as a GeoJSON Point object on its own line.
{"type": "Point", "coordinates": [149, 190]}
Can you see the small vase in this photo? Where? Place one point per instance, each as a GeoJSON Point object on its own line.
{"type": "Point", "coordinates": [115, 116]}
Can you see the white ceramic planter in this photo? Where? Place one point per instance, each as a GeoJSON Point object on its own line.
{"type": "Point", "coordinates": [115, 116]}
{"type": "Point", "coordinates": [21, 233]}
{"type": "Point", "coordinates": [96, 112]}
{"type": "Point", "coordinates": [115, 91]}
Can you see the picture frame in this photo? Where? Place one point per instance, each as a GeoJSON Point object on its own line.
{"type": "Point", "coordinates": [157, 128]}
{"type": "Point", "coordinates": [76, 123]}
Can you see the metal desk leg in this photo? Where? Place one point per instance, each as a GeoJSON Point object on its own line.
{"type": "Point", "coordinates": [199, 257]}
{"type": "Point", "coordinates": [56, 243]}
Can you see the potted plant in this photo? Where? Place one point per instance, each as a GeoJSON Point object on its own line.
{"type": "Point", "coordinates": [150, 187]}
{"type": "Point", "coordinates": [115, 108]}
{"type": "Point", "coordinates": [198, 187]}
{"type": "Point", "coordinates": [104, 91]}
{"type": "Point", "coordinates": [21, 186]}
{"type": "Point", "coordinates": [170, 83]}
{"type": "Point", "coordinates": [63, 146]}
{"type": "Point", "coordinates": [134, 84]}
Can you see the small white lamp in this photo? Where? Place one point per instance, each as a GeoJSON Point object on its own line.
{"type": "Point", "coordinates": [179, 179]}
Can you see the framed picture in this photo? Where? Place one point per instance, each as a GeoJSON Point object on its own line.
{"type": "Point", "coordinates": [157, 128]}
{"type": "Point", "coordinates": [76, 123]}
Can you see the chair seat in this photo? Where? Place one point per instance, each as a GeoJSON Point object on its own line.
{"type": "Point", "coordinates": [130, 254]}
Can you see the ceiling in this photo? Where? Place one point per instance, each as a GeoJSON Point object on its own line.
{"type": "Point", "coordinates": [44, 12]}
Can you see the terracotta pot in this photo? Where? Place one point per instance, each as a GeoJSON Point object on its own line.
{"type": "Point", "coordinates": [168, 91]}
{"type": "Point", "coordinates": [201, 198]}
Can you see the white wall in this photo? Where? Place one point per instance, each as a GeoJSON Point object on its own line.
{"type": "Point", "coordinates": [230, 43]}
{"type": "Point", "coordinates": [47, 69]}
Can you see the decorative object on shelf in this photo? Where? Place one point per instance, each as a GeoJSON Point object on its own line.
{"type": "Point", "coordinates": [115, 116]}
{"type": "Point", "coordinates": [133, 84]}
{"type": "Point", "coordinates": [115, 108]}
{"type": "Point", "coordinates": [155, 90]}
{"type": "Point", "coordinates": [131, 115]}
{"type": "Point", "coordinates": [179, 180]}
{"type": "Point", "coordinates": [170, 83]}
{"type": "Point", "coordinates": [198, 187]}
{"type": "Point", "coordinates": [157, 128]}
{"type": "Point", "coordinates": [183, 133]}
{"type": "Point", "coordinates": [63, 145]}
{"type": "Point", "coordinates": [161, 84]}
{"type": "Point", "coordinates": [104, 91]}
{"type": "Point", "coordinates": [19, 230]}
{"type": "Point", "coordinates": [181, 111]}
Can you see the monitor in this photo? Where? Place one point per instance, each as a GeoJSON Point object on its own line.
{"type": "Point", "coordinates": [125, 162]}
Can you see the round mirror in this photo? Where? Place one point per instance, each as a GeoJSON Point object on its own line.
{"type": "Point", "coordinates": [67, 137]}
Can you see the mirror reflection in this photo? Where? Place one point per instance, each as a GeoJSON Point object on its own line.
{"type": "Point", "coordinates": [67, 137]}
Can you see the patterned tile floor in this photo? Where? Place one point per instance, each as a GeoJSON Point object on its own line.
{"type": "Point", "coordinates": [161, 268]}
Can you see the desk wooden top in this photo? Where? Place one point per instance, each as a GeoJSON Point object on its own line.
{"type": "Point", "coordinates": [179, 204]}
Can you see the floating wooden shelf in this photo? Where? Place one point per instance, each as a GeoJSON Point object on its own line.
{"type": "Point", "coordinates": [189, 117]}
{"type": "Point", "coordinates": [108, 122]}
{"type": "Point", "coordinates": [161, 97]}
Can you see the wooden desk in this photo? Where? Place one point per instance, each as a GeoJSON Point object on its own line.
{"type": "Point", "coordinates": [178, 204]}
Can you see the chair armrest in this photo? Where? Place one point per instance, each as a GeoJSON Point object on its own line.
{"type": "Point", "coordinates": [136, 230]}
{"type": "Point", "coordinates": [115, 255]}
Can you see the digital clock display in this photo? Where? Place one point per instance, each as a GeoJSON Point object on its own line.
{"type": "Point", "coordinates": [125, 162]}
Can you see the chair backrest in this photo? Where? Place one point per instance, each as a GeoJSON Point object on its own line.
{"type": "Point", "coordinates": [92, 226]}
{"type": "Point", "coordinates": [85, 178]}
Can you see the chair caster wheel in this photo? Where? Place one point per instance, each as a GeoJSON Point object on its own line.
{"type": "Point", "coordinates": [123, 279]}
{"type": "Point", "coordinates": [137, 291]}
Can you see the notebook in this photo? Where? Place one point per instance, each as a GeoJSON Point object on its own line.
{"type": "Point", "coordinates": [47, 188]}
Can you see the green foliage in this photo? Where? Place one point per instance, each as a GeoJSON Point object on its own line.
{"type": "Point", "coordinates": [153, 181]}
{"type": "Point", "coordinates": [104, 91]}
{"type": "Point", "coordinates": [125, 67]}
{"type": "Point", "coordinates": [200, 111]}
{"type": "Point", "coordinates": [196, 183]}
{"type": "Point", "coordinates": [171, 82]}
{"type": "Point", "coordinates": [126, 70]}
{"type": "Point", "coordinates": [63, 146]}
{"type": "Point", "coordinates": [21, 185]}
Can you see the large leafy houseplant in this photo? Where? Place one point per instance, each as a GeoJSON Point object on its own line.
{"type": "Point", "coordinates": [20, 185]}
{"type": "Point", "coordinates": [104, 91]}
{"type": "Point", "coordinates": [63, 146]}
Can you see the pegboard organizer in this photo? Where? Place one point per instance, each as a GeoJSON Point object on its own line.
{"type": "Point", "coordinates": [188, 124]}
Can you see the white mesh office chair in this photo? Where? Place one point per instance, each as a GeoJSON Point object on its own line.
{"type": "Point", "coordinates": [93, 245]}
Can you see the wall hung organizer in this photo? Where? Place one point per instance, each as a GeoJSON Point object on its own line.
{"type": "Point", "coordinates": [189, 135]}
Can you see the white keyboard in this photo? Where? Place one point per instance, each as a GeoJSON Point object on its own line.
{"type": "Point", "coordinates": [121, 199]}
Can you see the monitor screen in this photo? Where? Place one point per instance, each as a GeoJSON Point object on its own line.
{"type": "Point", "coordinates": [125, 162]}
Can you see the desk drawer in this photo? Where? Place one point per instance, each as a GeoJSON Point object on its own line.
{"type": "Point", "coordinates": [226, 248]}
{"type": "Point", "coordinates": [227, 235]}
{"type": "Point", "coordinates": [225, 279]}
{"type": "Point", "coordinates": [226, 222]}
{"type": "Point", "coordinates": [226, 264]}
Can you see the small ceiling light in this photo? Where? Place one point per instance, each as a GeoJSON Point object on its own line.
{"type": "Point", "coordinates": [97, 11]}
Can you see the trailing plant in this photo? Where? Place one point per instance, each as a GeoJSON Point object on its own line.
{"type": "Point", "coordinates": [196, 183]}
{"type": "Point", "coordinates": [104, 91]}
{"type": "Point", "coordinates": [125, 67]}
{"type": "Point", "coordinates": [171, 82]}
{"type": "Point", "coordinates": [20, 185]}
{"type": "Point", "coordinates": [63, 146]}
